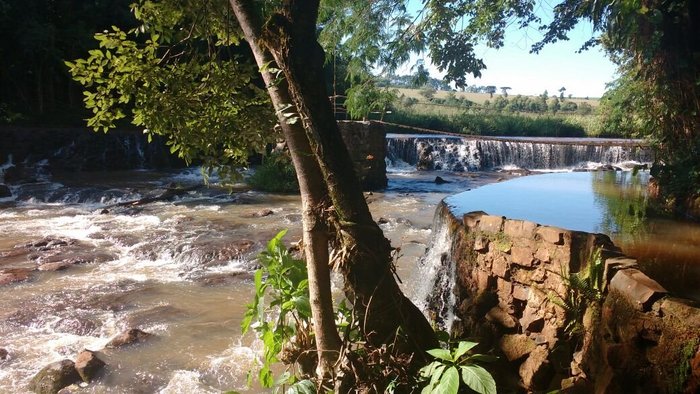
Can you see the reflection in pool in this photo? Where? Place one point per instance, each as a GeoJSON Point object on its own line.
{"type": "Point", "coordinates": [612, 203]}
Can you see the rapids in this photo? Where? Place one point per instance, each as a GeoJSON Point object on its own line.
{"type": "Point", "coordinates": [180, 269]}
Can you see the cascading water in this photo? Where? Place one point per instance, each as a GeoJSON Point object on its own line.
{"type": "Point", "coordinates": [457, 154]}
{"type": "Point", "coordinates": [435, 294]}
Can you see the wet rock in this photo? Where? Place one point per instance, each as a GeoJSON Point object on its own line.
{"type": "Point", "coordinates": [72, 389]}
{"type": "Point", "coordinates": [57, 266]}
{"type": "Point", "coordinates": [4, 354]}
{"type": "Point", "coordinates": [19, 174]}
{"type": "Point", "coordinates": [222, 279]}
{"type": "Point", "coordinates": [425, 156]}
{"type": "Point", "coordinates": [14, 275]}
{"type": "Point", "coordinates": [54, 377]}
{"type": "Point", "coordinates": [516, 346]}
{"type": "Point", "coordinates": [219, 252]}
{"type": "Point", "coordinates": [259, 214]}
{"type": "Point", "coordinates": [382, 220]}
{"type": "Point", "coordinates": [5, 191]}
{"type": "Point", "coordinates": [128, 337]}
{"type": "Point", "coordinates": [536, 371]}
{"type": "Point", "coordinates": [640, 290]}
{"type": "Point", "coordinates": [88, 365]}
{"type": "Point", "coordinates": [439, 180]}
{"type": "Point", "coordinates": [48, 243]}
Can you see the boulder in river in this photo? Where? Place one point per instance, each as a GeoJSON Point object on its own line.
{"type": "Point", "coordinates": [128, 337]}
{"type": "Point", "coordinates": [259, 214]}
{"type": "Point", "coordinates": [4, 354]}
{"type": "Point", "coordinates": [5, 191]}
{"type": "Point", "coordinates": [440, 180]}
{"type": "Point", "coordinates": [12, 275]}
{"type": "Point", "coordinates": [54, 377]}
{"type": "Point", "coordinates": [88, 365]}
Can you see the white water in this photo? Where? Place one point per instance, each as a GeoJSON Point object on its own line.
{"type": "Point", "coordinates": [464, 154]}
{"type": "Point", "coordinates": [159, 276]}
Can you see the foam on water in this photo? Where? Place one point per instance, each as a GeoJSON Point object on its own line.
{"type": "Point", "coordinates": [186, 382]}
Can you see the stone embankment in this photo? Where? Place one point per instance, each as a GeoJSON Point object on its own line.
{"type": "Point", "coordinates": [514, 294]}
{"type": "Point", "coordinates": [366, 143]}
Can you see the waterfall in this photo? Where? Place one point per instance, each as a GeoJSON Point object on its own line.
{"type": "Point", "coordinates": [457, 154]}
{"type": "Point", "coordinates": [435, 294]}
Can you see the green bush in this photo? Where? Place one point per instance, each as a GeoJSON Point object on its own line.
{"type": "Point", "coordinates": [276, 175]}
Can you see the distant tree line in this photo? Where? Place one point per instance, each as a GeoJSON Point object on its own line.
{"type": "Point", "coordinates": [517, 104]}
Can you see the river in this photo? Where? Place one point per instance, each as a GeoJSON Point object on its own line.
{"type": "Point", "coordinates": [180, 269]}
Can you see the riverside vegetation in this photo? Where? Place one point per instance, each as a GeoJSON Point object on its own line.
{"type": "Point", "coordinates": [185, 73]}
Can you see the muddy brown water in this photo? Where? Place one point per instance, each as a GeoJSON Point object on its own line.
{"type": "Point", "coordinates": [181, 270]}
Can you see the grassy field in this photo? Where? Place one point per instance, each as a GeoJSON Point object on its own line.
{"type": "Point", "coordinates": [479, 98]}
{"type": "Point", "coordinates": [481, 120]}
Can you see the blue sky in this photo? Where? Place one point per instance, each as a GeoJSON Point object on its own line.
{"type": "Point", "coordinates": [557, 65]}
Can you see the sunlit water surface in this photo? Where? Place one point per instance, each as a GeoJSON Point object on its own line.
{"type": "Point", "coordinates": [609, 202]}
{"type": "Point", "coordinates": [161, 269]}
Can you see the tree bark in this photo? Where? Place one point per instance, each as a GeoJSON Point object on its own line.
{"type": "Point", "coordinates": [314, 196]}
{"type": "Point", "coordinates": [361, 250]}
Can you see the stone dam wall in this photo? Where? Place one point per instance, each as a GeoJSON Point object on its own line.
{"type": "Point", "coordinates": [511, 296]}
{"type": "Point", "coordinates": [84, 150]}
{"type": "Point", "coordinates": [366, 143]}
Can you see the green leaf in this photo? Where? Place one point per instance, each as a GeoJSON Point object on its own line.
{"type": "Point", "coordinates": [463, 348]}
{"type": "Point", "coordinates": [449, 383]}
{"type": "Point", "coordinates": [302, 387]}
{"type": "Point", "coordinates": [436, 375]}
{"type": "Point", "coordinates": [442, 354]}
{"type": "Point", "coordinates": [478, 379]}
{"type": "Point", "coordinates": [302, 305]}
{"type": "Point", "coordinates": [482, 358]}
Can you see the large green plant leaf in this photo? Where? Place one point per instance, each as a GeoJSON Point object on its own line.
{"type": "Point", "coordinates": [449, 384]}
{"type": "Point", "coordinates": [463, 348]}
{"type": "Point", "coordinates": [478, 379]}
{"type": "Point", "coordinates": [442, 354]}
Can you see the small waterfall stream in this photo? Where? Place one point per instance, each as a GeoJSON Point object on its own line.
{"type": "Point", "coordinates": [451, 153]}
{"type": "Point", "coordinates": [435, 293]}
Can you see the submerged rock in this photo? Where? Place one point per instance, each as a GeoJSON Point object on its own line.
{"type": "Point", "coordinates": [88, 365]}
{"type": "Point", "coordinates": [160, 313]}
{"type": "Point", "coordinates": [4, 354]}
{"type": "Point", "coordinates": [260, 214]}
{"type": "Point", "coordinates": [54, 377]}
{"type": "Point", "coordinates": [439, 180]}
{"type": "Point", "coordinates": [128, 337]}
{"type": "Point", "coordinates": [13, 275]}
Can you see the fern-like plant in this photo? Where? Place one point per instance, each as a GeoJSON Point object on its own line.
{"type": "Point", "coordinates": [582, 289]}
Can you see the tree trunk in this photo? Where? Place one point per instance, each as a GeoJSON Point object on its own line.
{"type": "Point", "coordinates": [362, 252]}
{"type": "Point", "coordinates": [314, 197]}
